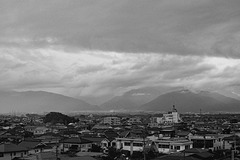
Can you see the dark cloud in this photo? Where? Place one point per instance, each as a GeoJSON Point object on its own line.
{"type": "Point", "coordinates": [125, 26]}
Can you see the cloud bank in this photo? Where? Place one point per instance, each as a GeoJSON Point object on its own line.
{"type": "Point", "coordinates": [104, 48]}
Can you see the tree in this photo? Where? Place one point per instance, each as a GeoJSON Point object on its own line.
{"type": "Point", "coordinates": [56, 117]}
{"type": "Point", "coordinates": [96, 148]}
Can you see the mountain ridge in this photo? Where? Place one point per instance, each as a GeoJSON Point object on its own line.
{"type": "Point", "coordinates": [41, 101]}
{"type": "Point", "coordinates": [189, 101]}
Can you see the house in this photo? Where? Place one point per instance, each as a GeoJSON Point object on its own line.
{"type": "Point", "coordinates": [134, 133]}
{"type": "Point", "coordinates": [102, 142]}
{"type": "Point", "coordinates": [10, 137]}
{"type": "Point", "coordinates": [40, 130]}
{"type": "Point", "coordinates": [173, 145]}
{"type": "Point", "coordinates": [155, 122]}
{"type": "Point", "coordinates": [184, 134]}
{"type": "Point", "coordinates": [8, 151]}
{"type": "Point", "coordinates": [69, 133]}
{"type": "Point", "coordinates": [167, 132]}
{"type": "Point", "coordinates": [33, 146]}
{"type": "Point", "coordinates": [230, 141]}
{"type": "Point", "coordinates": [131, 144]}
{"type": "Point", "coordinates": [101, 127]}
{"type": "Point", "coordinates": [208, 141]}
{"type": "Point", "coordinates": [30, 128]}
{"type": "Point", "coordinates": [110, 134]}
{"type": "Point", "coordinates": [49, 139]}
{"type": "Point", "coordinates": [76, 144]}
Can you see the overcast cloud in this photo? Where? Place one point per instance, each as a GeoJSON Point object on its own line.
{"type": "Point", "coordinates": [105, 48]}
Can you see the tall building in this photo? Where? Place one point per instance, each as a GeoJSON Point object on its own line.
{"type": "Point", "coordinates": [172, 116]}
{"type": "Point", "coordinates": [168, 118]}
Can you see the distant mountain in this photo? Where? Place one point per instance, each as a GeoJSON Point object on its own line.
{"type": "Point", "coordinates": [40, 101]}
{"type": "Point", "coordinates": [130, 100]}
{"type": "Point", "coordinates": [190, 101]}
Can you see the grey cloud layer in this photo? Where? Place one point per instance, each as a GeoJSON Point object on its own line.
{"type": "Point", "coordinates": [206, 27]}
{"type": "Point", "coordinates": [88, 47]}
{"type": "Point", "coordinates": [98, 73]}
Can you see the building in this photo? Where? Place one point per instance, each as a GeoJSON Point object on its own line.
{"type": "Point", "coordinates": [130, 144]}
{"type": "Point", "coordinates": [173, 145]}
{"type": "Point", "coordinates": [33, 146]}
{"type": "Point", "coordinates": [101, 142]}
{"type": "Point", "coordinates": [76, 144]}
{"type": "Point", "coordinates": [40, 130]}
{"type": "Point", "coordinates": [155, 122]}
{"type": "Point", "coordinates": [208, 141]}
{"type": "Point", "coordinates": [8, 151]}
{"type": "Point", "coordinates": [230, 141]}
{"type": "Point", "coordinates": [134, 120]}
{"type": "Point", "coordinates": [170, 118]}
{"type": "Point", "coordinates": [162, 145]}
{"type": "Point", "coordinates": [113, 121]}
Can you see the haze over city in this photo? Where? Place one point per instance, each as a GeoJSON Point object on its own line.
{"type": "Point", "coordinates": [95, 50]}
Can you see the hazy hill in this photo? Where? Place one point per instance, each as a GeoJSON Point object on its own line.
{"type": "Point", "coordinates": [188, 101]}
{"type": "Point", "coordinates": [40, 101]}
{"type": "Point", "coordinates": [130, 100]}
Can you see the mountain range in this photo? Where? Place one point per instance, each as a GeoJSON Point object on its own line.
{"type": "Point", "coordinates": [184, 100]}
{"type": "Point", "coordinates": [130, 100]}
{"type": "Point", "coordinates": [134, 100]}
{"type": "Point", "coordinates": [40, 101]}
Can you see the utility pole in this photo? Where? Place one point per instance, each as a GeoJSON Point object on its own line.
{"type": "Point", "coordinates": [234, 139]}
{"type": "Point", "coordinates": [144, 138]}
{"type": "Point", "coordinates": [57, 145]}
{"type": "Point", "coordinates": [184, 155]}
{"type": "Point", "coordinates": [204, 136]}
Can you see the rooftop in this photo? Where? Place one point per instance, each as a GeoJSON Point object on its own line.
{"type": "Point", "coordinates": [10, 147]}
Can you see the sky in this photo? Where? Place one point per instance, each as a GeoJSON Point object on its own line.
{"type": "Point", "coordinates": [99, 49]}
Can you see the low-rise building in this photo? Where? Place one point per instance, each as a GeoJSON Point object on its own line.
{"type": "Point", "coordinates": [8, 151]}
{"type": "Point", "coordinates": [208, 141]}
{"type": "Point", "coordinates": [173, 145]}
{"type": "Point", "coordinates": [40, 130]}
{"type": "Point", "coordinates": [112, 121]}
{"type": "Point", "coordinates": [162, 145]}
{"type": "Point", "coordinates": [230, 141]}
{"type": "Point", "coordinates": [130, 144]}
{"type": "Point", "coordinates": [76, 144]}
{"type": "Point", "coordinates": [134, 120]}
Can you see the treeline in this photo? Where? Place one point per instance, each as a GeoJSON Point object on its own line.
{"type": "Point", "coordinates": [56, 117]}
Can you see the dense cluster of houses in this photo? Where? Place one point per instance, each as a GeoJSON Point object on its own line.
{"type": "Point", "coordinates": [171, 136]}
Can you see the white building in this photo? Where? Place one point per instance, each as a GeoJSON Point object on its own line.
{"type": "Point", "coordinates": [162, 145]}
{"type": "Point", "coordinates": [130, 144]}
{"type": "Point", "coordinates": [112, 121]}
{"type": "Point", "coordinates": [168, 118]}
{"type": "Point", "coordinates": [173, 145]}
{"type": "Point", "coordinates": [172, 116]}
{"type": "Point", "coordinates": [40, 130]}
